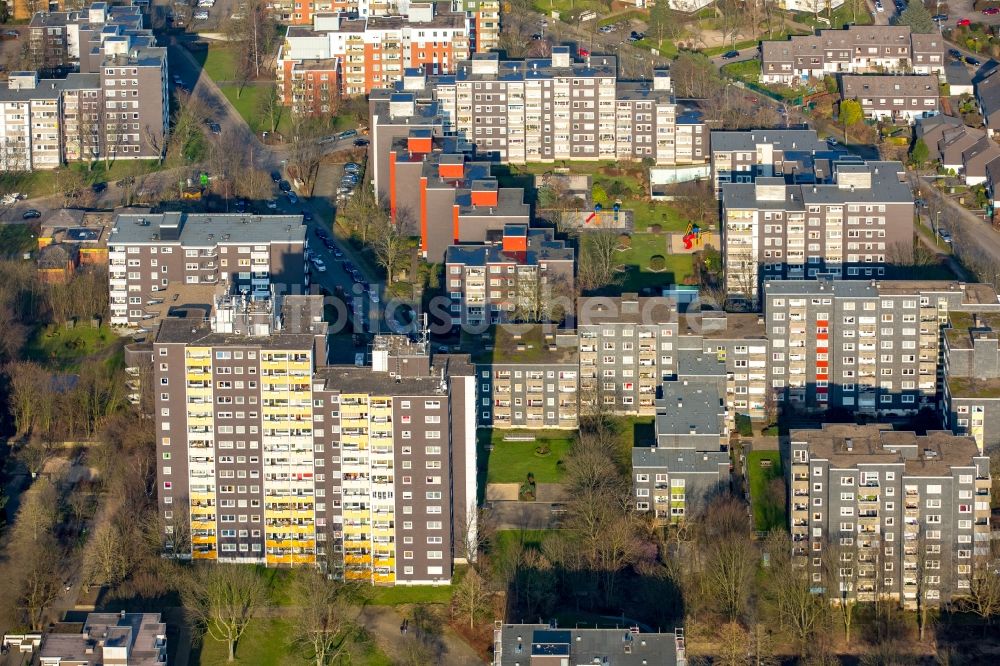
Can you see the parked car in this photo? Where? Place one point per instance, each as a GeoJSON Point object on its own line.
{"type": "Point", "coordinates": [991, 11]}
{"type": "Point", "coordinates": [284, 186]}
{"type": "Point", "coordinates": [215, 127]}
{"type": "Point", "coordinates": [975, 62]}
{"type": "Point", "coordinates": [945, 236]}
{"type": "Point", "coordinates": [963, 22]}
{"type": "Point", "coordinates": [830, 141]}
{"type": "Point", "coordinates": [583, 53]}
{"type": "Point", "coordinates": [319, 265]}
{"type": "Point", "coordinates": [292, 197]}
{"type": "Point", "coordinates": [955, 53]}
{"type": "Point", "coordinates": [729, 55]}
{"type": "Point", "coordinates": [30, 214]}
{"type": "Point", "coordinates": [11, 34]}
{"type": "Point", "coordinates": [201, 16]}
{"type": "Point", "coordinates": [536, 36]}
{"type": "Point", "coordinates": [97, 188]}
{"type": "Point", "coordinates": [276, 176]}
{"type": "Point", "coordinates": [329, 244]}
{"type": "Point", "coordinates": [306, 215]}
{"type": "Point", "coordinates": [879, 7]}
{"type": "Point", "coordinates": [352, 167]}
{"type": "Point", "coordinates": [359, 142]}
{"type": "Point", "coordinates": [240, 206]}
{"type": "Point", "coordinates": [272, 204]}
{"type": "Point", "coordinates": [347, 134]}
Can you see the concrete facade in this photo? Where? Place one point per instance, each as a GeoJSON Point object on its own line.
{"type": "Point", "coordinates": [972, 376]}
{"type": "Point", "coordinates": [898, 508]}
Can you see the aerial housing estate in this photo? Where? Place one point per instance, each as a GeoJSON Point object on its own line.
{"type": "Point", "coordinates": [345, 53]}
{"type": "Point", "coordinates": [113, 103]}
{"type": "Point", "coordinates": [547, 109]}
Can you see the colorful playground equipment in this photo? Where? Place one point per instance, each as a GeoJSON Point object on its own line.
{"type": "Point", "coordinates": [596, 215]}
{"type": "Point", "coordinates": [692, 235]}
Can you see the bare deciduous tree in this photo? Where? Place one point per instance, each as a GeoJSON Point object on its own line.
{"type": "Point", "coordinates": [323, 625]}
{"type": "Point", "coordinates": [222, 600]}
{"type": "Point", "coordinates": [472, 598]}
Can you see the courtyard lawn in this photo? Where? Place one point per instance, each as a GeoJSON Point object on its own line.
{"type": "Point", "coordinates": [636, 260]}
{"type": "Point", "coordinates": [510, 462]}
{"type": "Point", "coordinates": [746, 70]}
{"type": "Point", "coordinates": [768, 513]}
{"type": "Point", "coordinates": [220, 63]}
{"type": "Point", "coordinates": [841, 16]}
{"type": "Point", "coordinates": [16, 239]}
{"type": "Point", "coordinates": [63, 348]}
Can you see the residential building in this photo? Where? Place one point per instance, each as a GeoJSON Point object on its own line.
{"type": "Point", "coordinates": [95, 112]}
{"type": "Point", "coordinates": [740, 342]}
{"type": "Point", "coordinates": [893, 97]}
{"type": "Point", "coordinates": [133, 639]}
{"type": "Point", "coordinates": [892, 507]}
{"type": "Point", "coordinates": [688, 460]}
{"type": "Point", "coordinates": [959, 79]}
{"type": "Point", "coordinates": [547, 109]}
{"type": "Point", "coordinates": [542, 644]}
{"type": "Point", "coordinates": [30, 124]}
{"type": "Point", "coordinates": [861, 346]}
{"type": "Point", "coordinates": [741, 156]}
{"type": "Point", "coordinates": [809, 6]}
{"type": "Point", "coordinates": [528, 377]}
{"type": "Point", "coordinates": [850, 227]}
{"type": "Point", "coordinates": [152, 254]}
{"type": "Point", "coordinates": [967, 151]}
{"type": "Point", "coordinates": [374, 51]}
{"type": "Point", "coordinates": [316, 471]}
{"type": "Point", "coordinates": [526, 276]}
{"type": "Point", "coordinates": [440, 191]}
{"type": "Point", "coordinates": [311, 86]}
{"type": "Point", "coordinates": [972, 376]}
{"type": "Point", "coordinates": [858, 49]}
{"type": "Point", "coordinates": [987, 87]}
{"type": "Point", "coordinates": [627, 347]}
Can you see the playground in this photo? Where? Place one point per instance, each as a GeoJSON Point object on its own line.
{"type": "Point", "coordinates": [585, 220]}
{"type": "Point", "coordinates": [692, 240]}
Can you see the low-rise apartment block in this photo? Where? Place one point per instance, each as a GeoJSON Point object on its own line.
{"type": "Point", "coordinates": [972, 376]}
{"type": "Point", "coordinates": [528, 378]}
{"type": "Point", "coordinates": [893, 97]}
{"type": "Point", "coordinates": [858, 49]}
{"type": "Point", "coordinates": [968, 151]}
{"type": "Point", "coordinates": [892, 508]}
{"type": "Point", "coordinates": [542, 644]}
{"type": "Point", "coordinates": [527, 276]}
{"type": "Point", "coordinates": [438, 190]}
{"type": "Point", "coordinates": [133, 639]}
{"type": "Point", "coordinates": [688, 461]}
{"type": "Point", "coordinates": [850, 227]}
{"type": "Point", "coordinates": [547, 109]}
{"type": "Point", "coordinates": [861, 346]}
{"type": "Point", "coordinates": [269, 455]}
{"type": "Point", "coordinates": [151, 255]}
{"type": "Point", "coordinates": [374, 51]}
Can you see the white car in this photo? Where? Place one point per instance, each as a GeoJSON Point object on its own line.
{"type": "Point", "coordinates": [318, 264]}
{"type": "Point", "coordinates": [373, 295]}
{"type": "Point", "coordinates": [206, 3]}
{"type": "Point", "coordinates": [201, 16]}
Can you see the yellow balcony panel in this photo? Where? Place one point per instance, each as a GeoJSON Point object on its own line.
{"type": "Point", "coordinates": [303, 559]}
{"type": "Point", "coordinates": [365, 560]}
{"type": "Point", "coordinates": [211, 555]}
{"type": "Point", "coordinates": [203, 540]}
{"type": "Point", "coordinates": [384, 579]}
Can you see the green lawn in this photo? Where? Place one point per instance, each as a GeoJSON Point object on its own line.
{"type": "Point", "coordinates": [266, 643]}
{"type": "Point", "coordinates": [639, 276]}
{"type": "Point", "coordinates": [510, 462]}
{"type": "Point", "coordinates": [841, 16]}
{"type": "Point", "coordinates": [567, 8]}
{"type": "Point", "coordinates": [220, 63]}
{"type": "Point", "coordinates": [746, 70]}
{"type": "Point", "coordinates": [16, 239]}
{"type": "Point", "coordinates": [414, 594]}
{"type": "Point", "coordinates": [47, 183]}
{"type": "Point", "coordinates": [531, 539]}
{"type": "Point", "coordinates": [768, 514]}
{"type": "Point", "coordinates": [63, 348]}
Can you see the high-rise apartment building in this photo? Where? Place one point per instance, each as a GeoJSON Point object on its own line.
{"type": "Point", "coordinates": [268, 454]}
{"type": "Point", "coordinates": [972, 375]}
{"type": "Point", "coordinates": [543, 644]}
{"type": "Point", "coordinates": [901, 516]}
{"type": "Point", "coordinates": [798, 155]}
{"type": "Point", "coordinates": [862, 346]}
{"type": "Point", "coordinates": [547, 109]}
{"type": "Point", "coordinates": [152, 254]}
{"type": "Point", "coordinates": [373, 52]}
{"type": "Point", "coordinates": [854, 226]}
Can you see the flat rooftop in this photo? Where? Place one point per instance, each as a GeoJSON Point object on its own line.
{"type": "Point", "coordinates": [206, 229]}
{"type": "Point", "coordinates": [512, 344]}
{"type": "Point", "coordinates": [723, 326]}
{"type": "Point", "coordinates": [688, 407]}
{"type": "Point", "coordinates": [847, 445]}
{"type": "Point", "coordinates": [967, 326]}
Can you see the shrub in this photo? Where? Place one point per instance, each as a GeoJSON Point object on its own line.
{"type": "Point", "coordinates": [657, 262]}
{"type": "Point", "coordinates": [655, 229]}
{"type": "Point", "coordinates": [624, 241]}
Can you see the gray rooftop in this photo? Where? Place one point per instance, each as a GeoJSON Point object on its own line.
{"type": "Point", "coordinates": [524, 643]}
{"type": "Point", "coordinates": [206, 229]}
{"type": "Point", "coordinates": [868, 289]}
{"type": "Point", "coordinates": [781, 139]}
{"type": "Point", "coordinates": [690, 407]}
{"type": "Point", "coordinates": [679, 461]}
{"type": "Point", "coordinates": [142, 635]}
